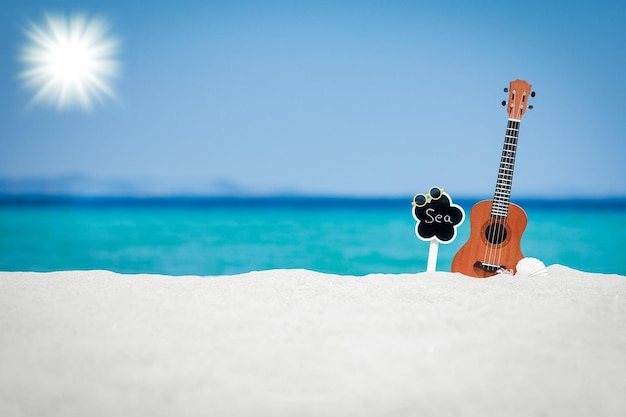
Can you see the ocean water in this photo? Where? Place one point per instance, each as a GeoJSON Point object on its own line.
{"type": "Point", "coordinates": [217, 236]}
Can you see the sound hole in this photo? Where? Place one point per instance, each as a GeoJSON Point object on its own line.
{"type": "Point", "coordinates": [496, 233]}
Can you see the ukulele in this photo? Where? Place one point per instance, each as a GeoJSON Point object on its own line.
{"type": "Point", "coordinates": [496, 226]}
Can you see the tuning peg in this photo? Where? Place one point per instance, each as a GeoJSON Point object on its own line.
{"type": "Point", "coordinates": [503, 103]}
{"type": "Point", "coordinates": [530, 107]}
{"type": "Point", "coordinates": [506, 90]}
{"type": "Point", "coordinates": [532, 94]}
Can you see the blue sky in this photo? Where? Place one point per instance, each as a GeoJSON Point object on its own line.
{"type": "Point", "coordinates": [377, 98]}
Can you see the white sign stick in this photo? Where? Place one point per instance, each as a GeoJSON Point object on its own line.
{"type": "Point", "coordinates": [432, 255]}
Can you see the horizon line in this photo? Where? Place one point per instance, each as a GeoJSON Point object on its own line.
{"type": "Point", "coordinates": [277, 197]}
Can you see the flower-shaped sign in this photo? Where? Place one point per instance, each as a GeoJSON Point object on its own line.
{"type": "Point", "coordinates": [437, 217]}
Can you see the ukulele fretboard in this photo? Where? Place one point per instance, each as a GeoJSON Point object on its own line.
{"type": "Point", "coordinates": [502, 195]}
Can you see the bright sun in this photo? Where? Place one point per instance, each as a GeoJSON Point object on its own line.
{"type": "Point", "coordinates": [69, 62]}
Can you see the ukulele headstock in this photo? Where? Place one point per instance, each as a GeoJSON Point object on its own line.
{"type": "Point", "coordinates": [519, 92]}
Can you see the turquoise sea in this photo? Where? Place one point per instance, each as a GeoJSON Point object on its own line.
{"type": "Point", "coordinates": [217, 236]}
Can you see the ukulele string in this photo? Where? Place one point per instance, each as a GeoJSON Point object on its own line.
{"type": "Point", "coordinates": [500, 238]}
{"type": "Point", "coordinates": [508, 157]}
{"type": "Point", "coordinates": [495, 237]}
{"type": "Point", "coordinates": [497, 226]}
{"type": "Point", "coordinates": [508, 153]}
{"type": "Point", "coordinates": [489, 240]}
{"type": "Point", "coordinates": [489, 249]}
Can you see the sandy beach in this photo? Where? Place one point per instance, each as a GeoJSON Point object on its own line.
{"type": "Point", "coordinates": [297, 342]}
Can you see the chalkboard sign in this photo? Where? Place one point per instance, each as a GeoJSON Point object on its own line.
{"type": "Point", "coordinates": [437, 217]}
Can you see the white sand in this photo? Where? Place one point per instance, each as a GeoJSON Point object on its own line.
{"type": "Point", "coordinates": [301, 343]}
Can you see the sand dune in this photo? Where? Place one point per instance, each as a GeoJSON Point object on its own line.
{"type": "Point", "coordinates": [302, 343]}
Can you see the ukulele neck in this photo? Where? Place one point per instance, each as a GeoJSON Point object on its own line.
{"type": "Point", "coordinates": [502, 195]}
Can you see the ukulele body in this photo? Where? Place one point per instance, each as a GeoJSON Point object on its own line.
{"type": "Point", "coordinates": [494, 241]}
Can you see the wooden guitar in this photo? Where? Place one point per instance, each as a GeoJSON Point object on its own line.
{"type": "Point", "coordinates": [496, 226]}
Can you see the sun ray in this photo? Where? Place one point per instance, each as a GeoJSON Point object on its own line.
{"type": "Point", "coordinates": [69, 61]}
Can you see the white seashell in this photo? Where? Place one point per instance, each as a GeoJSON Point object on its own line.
{"type": "Point", "coordinates": [530, 267]}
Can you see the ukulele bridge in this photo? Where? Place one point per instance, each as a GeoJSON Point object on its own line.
{"type": "Point", "coordinates": [489, 267]}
